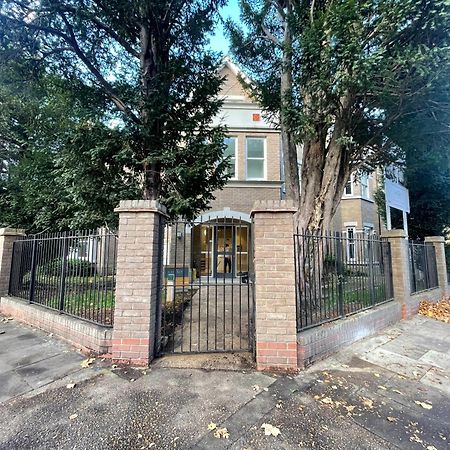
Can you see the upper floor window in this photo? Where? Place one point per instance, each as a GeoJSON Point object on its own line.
{"type": "Point", "coordinates": [230, 152]}
{"type": "Point", "coordinates": [364, 183]}
{"type": "Point", "coordinates": [256, 153]}
{"type": "Point", "coordinates": [349, 187]}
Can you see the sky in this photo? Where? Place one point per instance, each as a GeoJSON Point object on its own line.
{"type": "Point", "coordinates": [219, 42]}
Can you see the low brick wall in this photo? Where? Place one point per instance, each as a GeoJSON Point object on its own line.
{"type": "Point", "coordinates": [84, 335]}
{"type": "Point", "coordinates": [322, 341]}
{"type": "Point", "coordinates": [411, 307]}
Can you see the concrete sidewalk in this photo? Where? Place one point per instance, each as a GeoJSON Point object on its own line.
{"type": "Point", "coordinates": [387, 392]}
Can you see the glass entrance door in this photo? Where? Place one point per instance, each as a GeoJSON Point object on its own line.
{"type": "Point", "coordinates": [225, 252]}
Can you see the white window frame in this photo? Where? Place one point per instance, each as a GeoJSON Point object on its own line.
{"type": "Point", "coordinates": [351, 243]}
{"type": "Point", "coordinates": [235, 177]}
{"type": "Point", "coordinates": [351, 181]}
{"type": "Point", "coordinates": [264, 139]}
{"type": "Point", "coordinates": [366, 177]}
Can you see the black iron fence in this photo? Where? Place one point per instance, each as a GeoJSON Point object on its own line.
{"type": "Point", "coordinates": [207, 288]}
{"type": "Point", "coordinates": [423, 268]}
{"type": "Point", "coordinates": [339, 274]}
{"type": "Point", "coordinates": [72, 272]}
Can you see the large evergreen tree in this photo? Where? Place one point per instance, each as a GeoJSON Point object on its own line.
{"type": "Point", "coordinates": [335, 76]}
{"type": "Point", "coordinates": [149, 60]}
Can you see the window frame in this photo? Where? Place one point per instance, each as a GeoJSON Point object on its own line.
{"type": "Point", "coordinates": [366, 185]}
{"type": "Point", "coordinates": [264, 159]}
{"type": "Point", "coordinates": [351, 243]}
{"type": "Point", "coordinates": [351, 182]}
{"type": "Point", "coordinates": [235, 176]}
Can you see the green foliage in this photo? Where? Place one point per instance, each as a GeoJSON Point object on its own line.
{"type": "Point", "coordinates": [355, 70]}
{"type": "Point", "coordinates": [120, 106]}
{"type": "Point", "coordinates": [73, 268]}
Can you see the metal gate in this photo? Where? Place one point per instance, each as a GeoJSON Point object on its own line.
{"type": "Point", "coordinates": [207, 286]}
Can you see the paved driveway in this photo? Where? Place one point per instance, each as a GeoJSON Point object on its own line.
{"type": "Point", "coordinates": [387, 392]}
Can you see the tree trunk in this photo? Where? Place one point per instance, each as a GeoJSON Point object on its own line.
{"type": "Point", "coordinates": [325, 172]}
{"type": "Point", "coordinates": [290, 161]}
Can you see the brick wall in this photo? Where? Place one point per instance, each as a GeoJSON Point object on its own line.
{"type": "Point", "coordinates": [7, 238]}
{"type": "Point", "coordinates": [241, 198]}
{"type": "Point", "coordinates": [319, 342]}
{"type": "Point", "coordinates": [275, 305]}
{"type": "Point", "coordinates": [138, 274]}
{"type": "Point", "coordinates": [84, 335]}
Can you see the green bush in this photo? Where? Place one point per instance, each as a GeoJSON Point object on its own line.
{"type": "Point", "coordinates": [74, 267]}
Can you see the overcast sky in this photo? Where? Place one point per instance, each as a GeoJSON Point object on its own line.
{"type": "Point", "coordinates": [219, 42]}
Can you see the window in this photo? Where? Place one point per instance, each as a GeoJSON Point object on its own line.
{"type": "Point", "coordinates": [256, 149]}
{"type": "Point", "coordinates": [351, 243]}
{"type": "Point", "coordinates": [364, 183]}
{"type": "Point", "coordinates": [349, 187]}
{"type": "Point", "coordinates": [230, 152]}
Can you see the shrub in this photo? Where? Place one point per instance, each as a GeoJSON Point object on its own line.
{"type": "Point", "coordinates": [74, 267]}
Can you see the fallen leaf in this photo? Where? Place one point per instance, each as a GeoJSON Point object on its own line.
{"type": "Point", "coordinates": [415, 373]}
{"type": "Point", "coordinates": [431, 447]}
{"type": "Point", "coordinates": [384, 388]}
{"type": "Point", "coordinates": [255, 387]}
{"type": "Point", "coordinates": [415, 438]}
{"type": "Point", "coordinates": [212, 426]}
{"type": "Point", "coordinates": [327, 401]}
{"type": "Point", "coordinates": [423, 404]}
{"type": "Point", "coordinates": [87, 362]}
{"type": "Point", "coordinates": [391, 419]}
{"type": "Point", "coordinates": [270, 430]}
{"type": "Point", "coordinates": [397, 391]}
{"type": "Point", "coordinates": [368, 402]}
{"type": "Point", "coordinates": [350, 408]}
{"type": "Point", "coordinates": [376, 375]}
{"type": "Point", "coordinates": [70, 385]}
{"type": "Point", "coordinates": [73, 416]}
{"type": "Point", "coordinates": [279, 405]}
{"type": "Point", "coordinates": [221, 433]}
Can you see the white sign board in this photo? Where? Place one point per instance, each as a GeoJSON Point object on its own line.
{"type": "Point", "coordinates": [397, 196]}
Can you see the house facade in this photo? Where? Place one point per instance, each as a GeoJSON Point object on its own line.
{"type": "Point", "coordinates": [220, 239]}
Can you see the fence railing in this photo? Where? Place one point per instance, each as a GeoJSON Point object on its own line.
{"type": "Point", "coordinates": [71, 272]}
{"type": "Point", "coordinates": [423, 268]}
{"type": "Point", "coordinates": [338, 275]}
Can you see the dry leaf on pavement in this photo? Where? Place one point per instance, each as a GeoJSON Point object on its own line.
{"type": "Point", "coordinates": [70, 385]}
{"type": "Point", "coordinates": [368, 402]}
{"type": "Point", "coordinates": [87, 362]}
{"type": "Point", "coordinates": [392, 419]}
{"type": "Point", "coordinates": [212, 426]}
{"type": "Point", "coordinates": [423, 404]}
{"type": "Point", "coordinates": [221, 433]}
{"type": "Point", "coordinates": [270, 430]}
{"type": "Point", "coordinates": [73, 416]}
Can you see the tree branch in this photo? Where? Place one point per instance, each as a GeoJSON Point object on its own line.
{"type": "Point", "coordinates": [72, 40]}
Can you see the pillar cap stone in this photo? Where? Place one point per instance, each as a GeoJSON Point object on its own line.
{"type": "Point", "coordinates": [138, 206]}
{"type": "Point", "coordinates": [439, 239]}
{"type": "Point", "coordinates": [12, 232]}
{"type": "Point", "coordinates": [274, 206]}
{"type": "Point", "coordinates": [394, 234]}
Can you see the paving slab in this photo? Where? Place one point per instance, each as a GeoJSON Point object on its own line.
{"type": "Point", "coordinates": [377, 394]}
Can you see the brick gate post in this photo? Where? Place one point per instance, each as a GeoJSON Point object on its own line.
{"type": "Point", "coordinates": [139, 267]}
{"type": "Point", "coordinates": [439, 247]}
{"type": "Point", "coordinates": [400, 268]}
{"type": "Point", "coordinates": [7, 238]}
{"type": "Point", "coordinates": [275, 301]}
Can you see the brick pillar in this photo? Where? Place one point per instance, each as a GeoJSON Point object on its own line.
{"type": "Point", "coordinates": [400, 268]}
{"type": "Point", "coordinates": [138, 275]}
{"type": "Point", "coordinates": [7, 238]}
{"type": "Point", "coordinates": [275, 303]}
{"type": "Point", "coordinates": [439, 246]}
